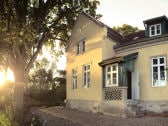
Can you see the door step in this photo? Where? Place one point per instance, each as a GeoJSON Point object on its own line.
{"type": "Point", "coordinates": [135, 108]}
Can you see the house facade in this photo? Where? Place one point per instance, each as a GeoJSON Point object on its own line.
{"type": "Point", "coordinates": [114, 74]}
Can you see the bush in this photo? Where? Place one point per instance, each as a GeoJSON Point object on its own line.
{"type": "Point", "coordinates": [53, 97]}
{"type": "Point", "coordinates": [43, 89]}
{"type": "Point", "coordinates": [7, 117]}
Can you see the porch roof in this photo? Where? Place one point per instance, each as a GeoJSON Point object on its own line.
{"type": "Point", "coordinates": [111, 60]}
{"type": "Point", "coordinates": [118, 59]}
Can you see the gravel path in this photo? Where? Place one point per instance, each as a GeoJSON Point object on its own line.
{"type": "Point", "coordinates": [61, 116]}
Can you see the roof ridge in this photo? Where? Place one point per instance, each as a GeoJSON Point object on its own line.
{"type": "Point", "coordinates": [99, 22]}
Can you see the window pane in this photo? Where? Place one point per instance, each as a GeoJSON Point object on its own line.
{"type": "Point", "coordinates": [158, 26]}
{"type": "Point", "coordinates": [155, 73]}
{"type": "Point", "coordinates": [108, 69]}
{"type": "Point", "coordinates": [158, 29]}
{"type": "Point", "coordinates": [114, 68]}
{"type": "Point", "coordinates": [162, 61]}
{"type": "Point", "coordinates": [88, 74]}
{"type": "Point", "coordinates": [114, 81]}
{"type": "Point", "coordinates": [162, 68]}
{"type": "Point", "coordinates": [155, 76]}
{"type": "Point", "coordinates": [83, 46]}
{"type": "Point", "coordinates": [155, 61]}
{"type": "Point", "coordinates": [88, 67]}
{"type": "Point", "coordinates": [78, 48]}
{"type": "Point", "coordinates": [152, 30]}
{"type": "Point", "coordinates": [75, 82]}
{"type": "Point", "coordinates": [84, 68]}
{"type": "Point", "coordinates": [162, 73]}
{"type": "Point", "coordinates": [114, 75]}
{"type": "Point", "coordinates": [88, 78]}
{"type": "Point", "coordinates": [84, 78]}
{"type": "Point", "coordinates": [108, 79]}
{"type": "Point", "coordinates": [155, 69]}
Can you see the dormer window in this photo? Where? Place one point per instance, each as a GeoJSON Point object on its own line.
{"type": "Point", "coordinates": [155, 30]}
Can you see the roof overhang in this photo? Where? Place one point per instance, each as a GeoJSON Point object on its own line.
{"type": "Point", "coordinates": [155, 20]}
{"type": "Point", "coordinates": [111, 61]}
{"type": "Point", "coordinates": [119, 59]}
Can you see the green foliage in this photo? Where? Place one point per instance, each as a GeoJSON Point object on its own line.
{"type": "Point", "coordinates": [126, 29]}
{"type": "Point", "coordinates": [7, 117]}
{"type": "Point", "coordinates": [41, 79]}
{"type": "Point", "coordinates": [6, 94]}
{"type": "Point", "coordinates": [4, 120]}
{"type": "Point", "coordinates": [45, 89]}
{"type": "Point", "coordinates": [10, 117]}
{"type": "Point", "coordinates": [26, 25]}
{"type": "Point", "coordinates": [36, 121]}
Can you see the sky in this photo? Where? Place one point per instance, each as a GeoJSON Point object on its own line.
{"type": "Point", "coordinates": [132, 12]}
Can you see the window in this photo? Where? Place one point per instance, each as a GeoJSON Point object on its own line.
{"type": "Point", "coordinates": [80, 47]}
{"type": "Point", "coordinates": [158, 71]}
{"type": "Point", "coordinates": [112, 75]}
{"type": "Point", "coordinates": [155, 29]}
{"type": "Point", "coordinates": [74, 79]}
{"type": "Point", "coordinates": [86, 75]}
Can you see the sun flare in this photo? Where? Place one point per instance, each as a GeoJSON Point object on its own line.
{"type": "Point", "coordinates": [9, 76]}
{"type": "Point", "coordinates": [2, 77]}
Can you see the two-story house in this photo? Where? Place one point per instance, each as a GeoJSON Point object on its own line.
{"type": "Point", "coordinates": [114, 74]}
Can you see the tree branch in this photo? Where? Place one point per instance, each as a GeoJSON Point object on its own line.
{"type": "Point", "coordinates": [39, 47]}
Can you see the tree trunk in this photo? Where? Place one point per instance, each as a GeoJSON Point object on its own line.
{"type": "Point", "coordinates": [19, 87]}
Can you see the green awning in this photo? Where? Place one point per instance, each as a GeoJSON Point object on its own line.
{"type": "Point", "coordinates": [128, 65]}
{"type": "Point", "coordinates": [130, 56]}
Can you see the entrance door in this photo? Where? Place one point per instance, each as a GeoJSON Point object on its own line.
{"type": "Point", "coordinates": [129, 85]}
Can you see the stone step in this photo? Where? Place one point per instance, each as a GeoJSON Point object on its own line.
{"type": "Point", "coordinates": [137, 109]}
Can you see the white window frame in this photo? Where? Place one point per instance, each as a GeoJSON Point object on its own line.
{"type": "Point", "coordinates": [86, 75]}
{"type": "Point", "coordinates": [80, 47]}
{"type": "Point", "coordinates": [109, 81]}
{"type": "Point", "coordinates": [74, 79]}
{"type": "Point", "coordinates": [159, 82]}
{"type": "Point", "coordinates": [155, 30]}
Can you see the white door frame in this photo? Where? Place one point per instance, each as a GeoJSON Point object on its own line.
{"type": "Point", "coordinates": [135, 86]}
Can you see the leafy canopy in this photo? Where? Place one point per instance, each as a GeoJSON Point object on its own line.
{"type": "Point", "coordinates": [125, 29]}
{"type": "Point", "coordinates": [26, 25]}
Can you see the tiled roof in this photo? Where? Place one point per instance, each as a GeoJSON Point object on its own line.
{"type": "Point", "coordinates": [114, 35]}
{"type": "Point", "coordinates": [134, 36]}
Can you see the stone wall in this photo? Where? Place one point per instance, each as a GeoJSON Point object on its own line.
{"type": "Point", "coordinates": [108, 108]}
{"type": "Point", "coordinates": [84, 105]}
{"type": "Point", "coordinates": [149, 107]}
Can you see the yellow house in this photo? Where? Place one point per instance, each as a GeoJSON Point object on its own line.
{"type": "Point", "coordinates": [114, 74]}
